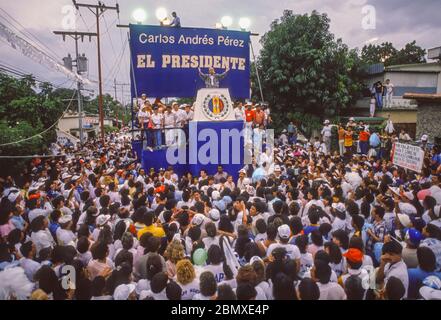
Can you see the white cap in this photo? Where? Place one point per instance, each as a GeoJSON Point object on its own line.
{"type": "Point", "coordinates": [424, 137]}
{"type": "Point", "coordinates": [65, 219]}
{"type": "Point", "coordinates": [407, 208]}
{"type": "Point", "coordinates": [198, 219]}
{"type": "Point", "coordinates": [65, 176]}
{"type": "Point", "coordinates": [326, 122]}
{"type": "Point", "coordinates": [13, 194]}
{"type": "Point", "coordinates": [404, 220]}
{"type": "Point", "coordinates": [242, 171]}
{"type": "Point", "coordinates": [339, 207]}
{"type": "Point", "coordinates": [123, 291]}
{"type": "Point", "coordinates": [214, 214]}
{"type": "Point", "coordinates": [351, 119]}
{"type": "Point", "coordinates": [284, 231]}
{"type": "Point", "coordinates": [215, 195]}
{"type": "Point", "coordinates": [102, 219]}
{"type": "Point", "coordinates": [75, 178]}
{"type": "Point", "coordinates": [409, 195]}
{"type": "Point", "coordinates": [277, 168]}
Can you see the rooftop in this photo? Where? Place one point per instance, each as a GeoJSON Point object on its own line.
{"type": "Point", "coordinates": [423, 97]}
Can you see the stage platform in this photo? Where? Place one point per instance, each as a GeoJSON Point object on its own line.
{"type": "Point", "coordinates": [210, 143]}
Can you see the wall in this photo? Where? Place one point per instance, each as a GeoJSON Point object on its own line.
{"type": "Point", "coordinates": [420, 82]}
{"type": "Point", "coordinates": [399, 116]}
{"type": "Point", "coordinates": [429, 120]}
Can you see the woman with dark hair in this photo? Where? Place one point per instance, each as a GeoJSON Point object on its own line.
{"type": "Point", "coordinates": [308, 290]}
{"type": "Point", "coordinates": [100, 265]}
{"type": "Point", "coordinates": [83, 286]}
{"type": "Point", "coordinates": [242, 240]}
{"type": "Point", "coordinates": [338, 263]}
{"type": "Point", "coordinates": [225, 293]}
{"type": "Point", "coordinates": [316, 242]}
{"type": "Point", "coordinates": [41, 236]}
{"type": "Point", "coordinates": [207, 287]}
{"type": "Point", "coordinates": [216, 263]}
{"type": "Point", "coordinates": [283, 288]}
{"type": "Point", "coordinates": [48, 282]}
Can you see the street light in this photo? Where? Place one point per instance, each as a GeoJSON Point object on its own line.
{"type": "Point", "coordinates": [244, 23]}
{"type": "Point", "coordinates": [161, 14]}
{"type": "Point", "coordinates": [139, 15]}
{"type": "Point", "coordinates": [226, 21]}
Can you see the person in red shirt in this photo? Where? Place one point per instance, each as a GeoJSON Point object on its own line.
{"type": "Point", "coordinates": [250, 114]}
{"type": "Point", "coordinates": [259, 116]}
{"type": "Point", "coordinates": [363, 139]}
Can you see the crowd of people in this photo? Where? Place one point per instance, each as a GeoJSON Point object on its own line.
{"type": "Point", "coordinates": [356, 138]}
{"type": "Point", "coordinates": [162, 125]}
{"type": "Point", "coordinates": [299, 223]}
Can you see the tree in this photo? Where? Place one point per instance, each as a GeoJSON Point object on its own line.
{"type": "Point", "coordinates": [304, 69]}
{"type": "Point", "coordinates": [112, 108]}
{"type": "Point", "coordinates": [387, 54]}
{"type": "Point", "coordinates": [25, 113]}
{"type": "Point", "coordinates": [411, 53]}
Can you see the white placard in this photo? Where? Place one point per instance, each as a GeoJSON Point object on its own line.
{"type": "Point", "coordinates": [408, 156]}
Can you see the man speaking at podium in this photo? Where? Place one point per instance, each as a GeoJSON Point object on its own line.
{"type": "Point", "coordinates": [212, 79]}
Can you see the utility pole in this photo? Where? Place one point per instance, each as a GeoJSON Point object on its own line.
{"type": "Point", "coordinates": [80, 69]}
{"type": "Point", "coordinates": [115, 84]}
{"type": "Point", "coordinates": [98, 10]}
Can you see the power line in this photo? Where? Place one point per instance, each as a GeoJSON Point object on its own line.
{"type": "Point", "coordinates": [38, 43]}
{"type": "Point", "coordinates": [17, 72]}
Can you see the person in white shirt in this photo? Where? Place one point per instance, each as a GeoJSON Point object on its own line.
{"type": "Point", "coordinates": [28, 263]}
{"type": "Point", "coordinates": [321, 273]}
{"type": "Point", "coordinates": [169, 123]}
{"type": "Point", "coordinates": [389, 92]}
{"type": "Point", "coordinates": [41, 235]}
{"type": "Point", "coordinates": [392, 265]}
{"type": "Point", "coordinates": [372, 106]}
{"type": "Point", "coordinates": [326, 135]}
{"type": "Point", "coordinates": [143, 119]}
{"type": "Point", "coordinates": [65, 236]}
{"type": "Point", "coordinates": [284, 233]}
{"type": "Point", "coordinates": [207, 287]}
{"type": "Point", "coordinates": [239, 112]}
{"type": "Point", "coordinates": [181, 120]}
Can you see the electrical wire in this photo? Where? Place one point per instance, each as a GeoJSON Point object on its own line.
{"type": "Point", "coordinates": [45, 130]}
{"type": "Point", "coordinates": [36, 41]}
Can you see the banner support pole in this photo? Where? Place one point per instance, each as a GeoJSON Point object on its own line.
{"type": "Point", "coordinates": [257, 71]}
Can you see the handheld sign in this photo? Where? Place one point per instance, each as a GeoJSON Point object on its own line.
{"type": "Point", "coordinates": [408, 156]}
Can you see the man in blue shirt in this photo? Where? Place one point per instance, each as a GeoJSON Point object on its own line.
{"type": "Point", "coordinates": [176, 22]}
{"type": "Point", "coordinates": [426, 267]}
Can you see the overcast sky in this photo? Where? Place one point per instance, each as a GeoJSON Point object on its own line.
{"type": "Point", "coordinates": [397, 21]}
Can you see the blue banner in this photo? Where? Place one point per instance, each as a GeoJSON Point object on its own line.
{"type": "Point", "coordinates": [166, 60]}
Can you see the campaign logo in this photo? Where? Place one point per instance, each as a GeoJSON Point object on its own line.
{"type": "Point", "coordinates": [216, 106]}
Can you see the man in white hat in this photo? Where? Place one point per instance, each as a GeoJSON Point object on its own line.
{"type": "Point", "coordinates": [243, 181]}
{"type": "Point", "coordinates": [65, 236]}
{"type": "Point", "coordinates": [284, 234]}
